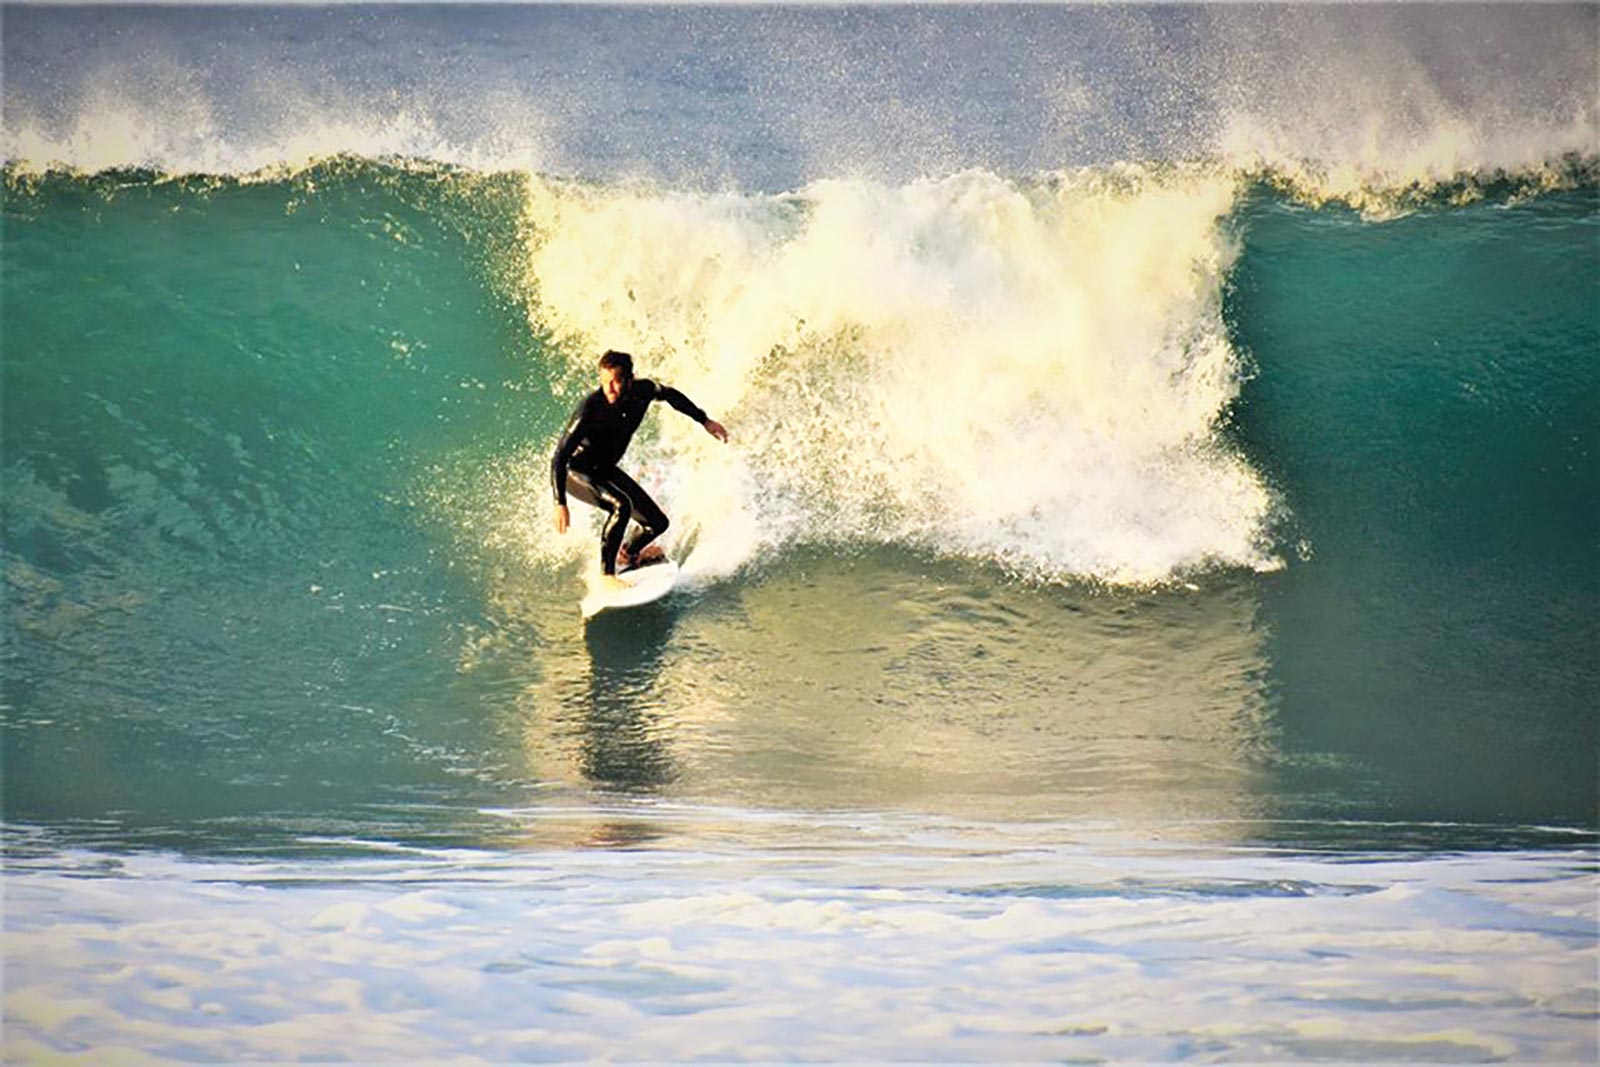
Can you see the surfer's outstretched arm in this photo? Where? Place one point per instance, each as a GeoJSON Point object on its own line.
{"type": "Point", "coordinates": [690, 408]}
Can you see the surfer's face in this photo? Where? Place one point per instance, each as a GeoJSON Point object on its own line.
{"type": "Point", "coordinates": [611, 383]}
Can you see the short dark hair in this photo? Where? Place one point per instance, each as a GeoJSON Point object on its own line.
{"type": "Point", "coordinates": [614, 360]}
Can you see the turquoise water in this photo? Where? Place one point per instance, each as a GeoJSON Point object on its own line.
{"type": "Point", "coordinates": [1146, 611]}
{"type": "Point", "coordinates": [270, 494]}
{"type": "Point", "coordinates": [1423, 397]}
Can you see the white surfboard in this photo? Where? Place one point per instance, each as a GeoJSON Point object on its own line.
{"type": "Point", "coordinates": [645, 584]}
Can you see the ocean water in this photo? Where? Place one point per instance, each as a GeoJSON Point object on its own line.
{"type": "Point", "coordinates": [1148, 610]}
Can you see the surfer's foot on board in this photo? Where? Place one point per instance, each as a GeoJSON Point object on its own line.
{"type": "Point", "coordinates": [650, 554]}
{"type": "Point", "coordinates": [612, 584]}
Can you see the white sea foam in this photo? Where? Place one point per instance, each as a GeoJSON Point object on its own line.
{"type": "Point", "coordinates": [963, 944]}
{"type": "Point", "coordinates": [1376, 106]}
{"type": "Point", "coordinates": [1029, 373]}
{"type": "Point", "coordinates": [166, 115]}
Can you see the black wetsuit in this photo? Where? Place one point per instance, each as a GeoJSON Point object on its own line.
{"type": "Point", "coordinates": [585, 464]}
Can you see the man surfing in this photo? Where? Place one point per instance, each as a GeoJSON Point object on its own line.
{"type": "Point", "coordinates": [585, 463]}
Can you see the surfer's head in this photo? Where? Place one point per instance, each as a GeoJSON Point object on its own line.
{"type": "Point", "coordinates": [616, 371]}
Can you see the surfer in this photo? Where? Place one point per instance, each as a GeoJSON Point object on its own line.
{"type": "Point", "coordinates": [585, 463]}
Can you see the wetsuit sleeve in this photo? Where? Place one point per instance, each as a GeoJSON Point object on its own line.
{"type": "Point", "coordinates": [681, 403]}
{"type": "Point", "coordinates": [564, 449]}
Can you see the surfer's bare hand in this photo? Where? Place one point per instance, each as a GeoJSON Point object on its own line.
{"type": "Point", "coordinates": [563, 517]}
{"type": "Point", "coordinates": [716, 429]}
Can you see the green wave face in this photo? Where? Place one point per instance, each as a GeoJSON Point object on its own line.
{"type": "Point", "coordinates": [222, 402]}
{"type": "Point", "coordinates": [277, 526]}
{"type": "Point", "coordinates": [1425, 398]}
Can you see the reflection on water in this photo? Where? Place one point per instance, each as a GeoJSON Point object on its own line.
{"type": "Point", "coordinates": [621, 740]}
{"type": "Point", "coordinates": [886, 681]}
{"type": "Point", "coordinates": [869, 686]}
